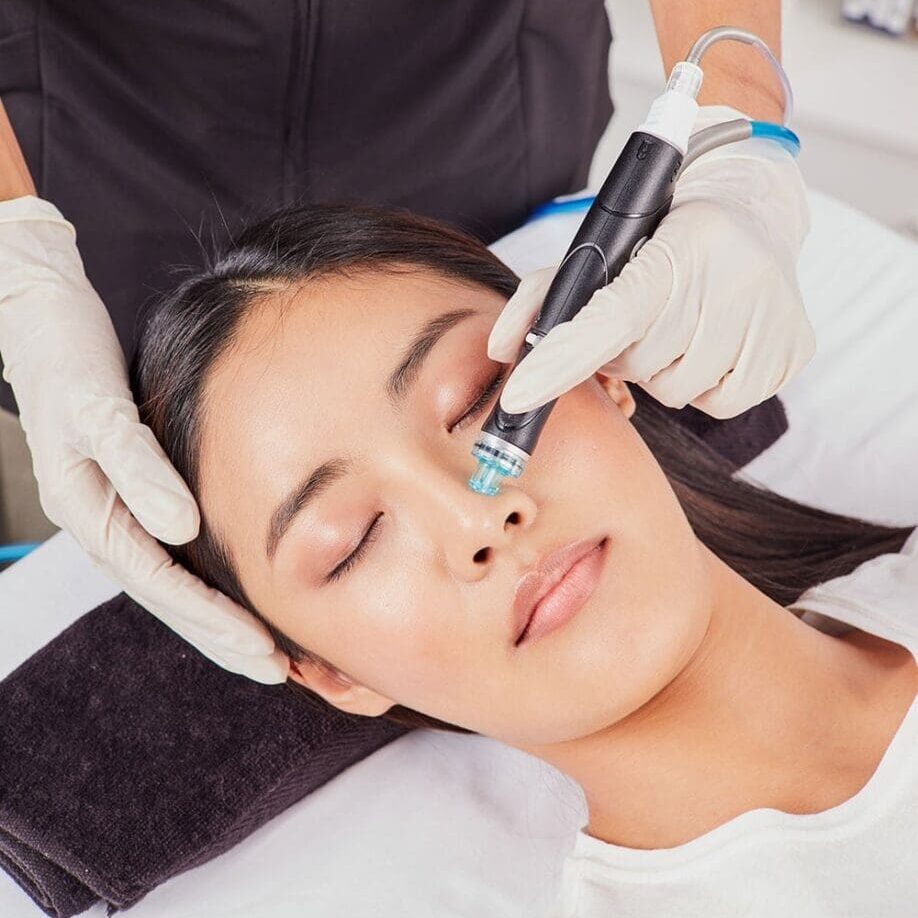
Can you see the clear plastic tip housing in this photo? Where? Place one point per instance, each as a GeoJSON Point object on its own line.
{"type": "Point", "coordinates": [494, 464]}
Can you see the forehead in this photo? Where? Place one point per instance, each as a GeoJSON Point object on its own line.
{"type": "Point", "coordinates": [308, 365]}
{"type": "Point", "coordinates": [326, 341]}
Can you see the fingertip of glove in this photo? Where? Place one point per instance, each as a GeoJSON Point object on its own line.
{"type": "Point", "coordinates": [268, 669]}
{"type": "Point", "coordinates": [175, 521]}
{"type": "Point", "coordinates": [716, 405]}
{"type": "Point", "coordinates": [272, 669]}
{"type": "Point", "coordinates": [248, 636]}
{"type": "Point", "coordinates": [499, 351]}
{"type": "Point", "coordinates": [506, 337]}
{"type": "Point", "coordinates": [516, 400]}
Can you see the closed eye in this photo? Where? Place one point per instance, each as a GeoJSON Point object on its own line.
{"type": "Point", "coordinates": [480, 403]}
{"type": "Point", "coordinates": [368, 538]}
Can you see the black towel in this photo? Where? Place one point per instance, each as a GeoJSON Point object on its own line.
{"type": "Point", "coordinates": [738, 439]}
{"type": "Point", "coordinates": [126, 758]}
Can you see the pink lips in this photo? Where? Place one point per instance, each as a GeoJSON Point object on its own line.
{"type": "Point", "coordinates": [557, 588]}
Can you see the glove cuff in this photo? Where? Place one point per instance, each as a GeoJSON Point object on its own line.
{"type": "Point", "coordinates": [30, 208]}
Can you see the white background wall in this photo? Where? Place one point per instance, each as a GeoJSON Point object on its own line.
{"type": "Point", "coordinates": [856, 103]}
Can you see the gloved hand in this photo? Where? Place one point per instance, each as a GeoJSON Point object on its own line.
{"type": "Point", "coordinates": [101, 474]}
{"type": "Point", "coordinates": [708, 312]}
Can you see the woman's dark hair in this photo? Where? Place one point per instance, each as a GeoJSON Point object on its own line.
{"type": "Point", "coordinates": [779, 546]}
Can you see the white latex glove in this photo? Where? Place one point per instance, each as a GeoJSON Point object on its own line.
{"type": "Point", "coordinates": [101, 473]}
{"type": "Point", "coordinates": [709, 311]}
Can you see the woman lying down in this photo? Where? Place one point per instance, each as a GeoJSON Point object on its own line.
{"type": "Point", "coordinates": [735, 759]}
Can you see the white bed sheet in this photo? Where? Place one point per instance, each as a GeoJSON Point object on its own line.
{"type": "Point", "coordinates": [443, 824]}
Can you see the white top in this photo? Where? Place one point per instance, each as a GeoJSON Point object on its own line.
{"type": "Point", "coordinates": [859, 858]}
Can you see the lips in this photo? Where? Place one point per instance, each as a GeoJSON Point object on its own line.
{"type": "Point", "coordinates": [538, 582]}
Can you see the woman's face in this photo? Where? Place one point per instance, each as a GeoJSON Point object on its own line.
{"type": "Point", "coordinates": [423, 617]}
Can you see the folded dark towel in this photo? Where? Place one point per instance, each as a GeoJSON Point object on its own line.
{"type": "Point", "coordinates": [126, 758]}
{"type": "Point", "coordinates": [739, 439]}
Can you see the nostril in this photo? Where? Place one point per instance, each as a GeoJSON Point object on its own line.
{"type": "Point", "coordinates": [482, 554]}
{"type": "Point", "coordinates": [514, 517]}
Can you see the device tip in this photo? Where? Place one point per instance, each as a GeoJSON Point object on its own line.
{"type": "Point", "coordinates": [486, 479]}
{"type": "Point", "coordinates": [494, 464]}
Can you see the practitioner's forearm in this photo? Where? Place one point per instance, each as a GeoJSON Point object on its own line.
{"type": "Point", "coordinates": [15, 178]}
{"type": "Point", "coordinates": [734, 74]}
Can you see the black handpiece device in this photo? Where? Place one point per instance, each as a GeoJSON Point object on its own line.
{"type": "Point", "coordinates": [628, 208]}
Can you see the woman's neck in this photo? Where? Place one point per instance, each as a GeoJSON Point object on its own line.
{"type": "Point", "coordinates": [769, 712]}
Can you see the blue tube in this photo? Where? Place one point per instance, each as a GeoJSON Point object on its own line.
{"type": "Point", "coordinates": [15, 552]}
{"type": "Point", "coordinates": [784, 136]}
{"type": "Point", "coordinates": [570, 206]}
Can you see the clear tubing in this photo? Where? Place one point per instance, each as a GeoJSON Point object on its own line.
{"type": "Point", "coordinates": [729, 33]}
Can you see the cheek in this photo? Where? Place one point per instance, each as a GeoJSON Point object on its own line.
{"type": "Point", "coordinates": [390, 630]}
{"type": "Point", "coordinates": [591, 458]}
{"type": "Point", "coordinates": [662, 607]}
{"type": "Point", "coordinates": [654, 603]}
{"type": "Point", "coordinates": [587, 416]}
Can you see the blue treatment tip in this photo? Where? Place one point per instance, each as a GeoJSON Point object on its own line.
{"type": "Point", "coordinates": [494, 464]}
{"type": "Point", "coordinates": [486, 479]}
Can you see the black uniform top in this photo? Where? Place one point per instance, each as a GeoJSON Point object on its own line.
{"type": "Point", "coordinates": [144, 122]}
{"type": "Point", "coordinates": [151, 122]}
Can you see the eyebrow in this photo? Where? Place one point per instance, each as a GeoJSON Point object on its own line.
{"type": "Point", "coordinates": [397, 387]}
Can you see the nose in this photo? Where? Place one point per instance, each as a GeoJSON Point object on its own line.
{"type": "Point", "coordinates": [471, 530]}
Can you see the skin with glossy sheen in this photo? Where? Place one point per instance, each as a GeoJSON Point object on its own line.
{"type": "Point", "coordinates": [678, 696]}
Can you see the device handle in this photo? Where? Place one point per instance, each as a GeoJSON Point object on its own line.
{"type": "Point", "coordinates": [628, 208]}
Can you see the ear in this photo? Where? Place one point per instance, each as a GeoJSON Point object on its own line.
{"type": "Point", "coordinates": [339, 689]}
{"type": "Point", "coordinates": [618, 391]}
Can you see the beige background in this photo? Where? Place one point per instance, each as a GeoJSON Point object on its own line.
{"type": "Point", "coordinates": [21, 519]}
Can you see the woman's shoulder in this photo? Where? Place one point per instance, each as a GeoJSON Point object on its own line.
{"type": "Point", "coordinates": [879, 598]}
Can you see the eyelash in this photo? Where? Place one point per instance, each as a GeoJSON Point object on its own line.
{"type": "Point", "coordinates": [370, 535]}
{"type": "Point", "coordinates": [479, 404]}
{"type": "Point", "coordinates": [367, 540]}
